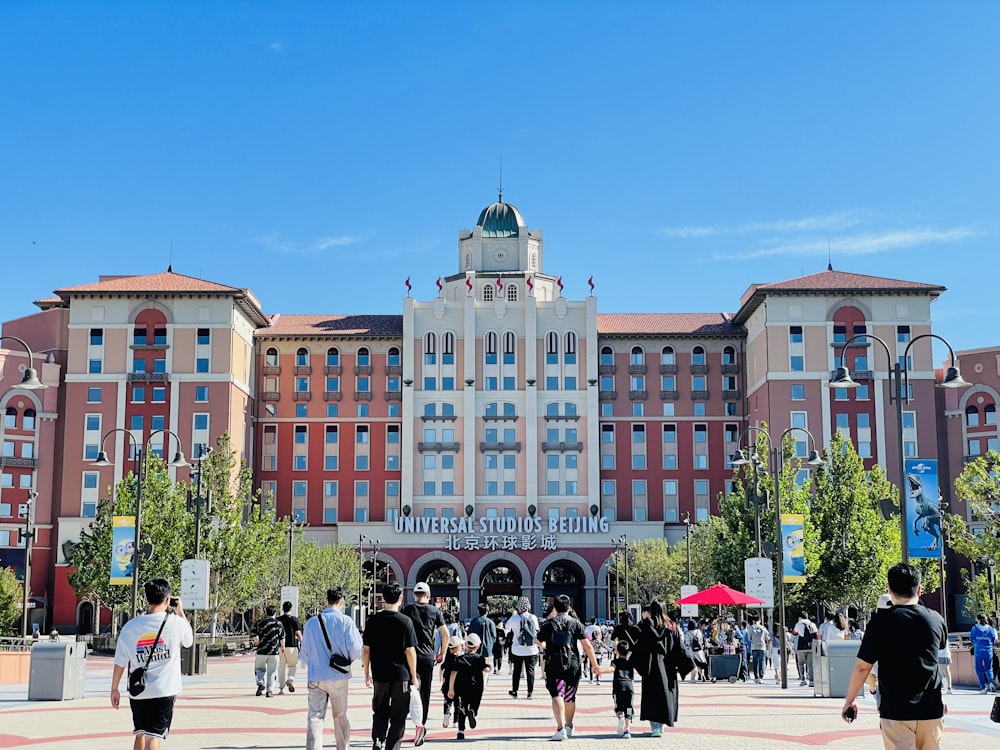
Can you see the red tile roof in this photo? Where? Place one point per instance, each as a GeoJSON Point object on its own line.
{"type": "Point", "coordinates": [831, 282]}
{"type": "Point", "coordinates": [157, 282]}
{"type": "Point", "coordinates": [691, 324]}
{"type": "Point", "coordinates": [332, 326]}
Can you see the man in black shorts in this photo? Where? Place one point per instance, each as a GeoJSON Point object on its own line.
{"type": "Point", "coordinates": [153, 641]}
{"type": "Point", "coordinates": [426, 619]}
{"type": "Point", "coordinates": [559, 636]}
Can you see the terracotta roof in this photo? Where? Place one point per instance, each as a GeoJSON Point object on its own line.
{"type": "Point", "coordinates": [690, 324]}
{"type": "Point", "coordinates": [831, 282]}
{"type": "Point", "coordinates": [333, 326]}
{"type": "Point", "coordinates": [157, 282]}
{"type": "Point", "coordinates": [48, 303]}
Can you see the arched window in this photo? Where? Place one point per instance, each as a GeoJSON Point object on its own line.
{"type": "Point", "coordinates": [551, 348]}
{"type": "Point", "coordinates": [28, 420]}
{"type": "Point", "coordinates": [332, 356]}
{"type": "Point", "coordinates": [302, 357]}
{"type": "Point", "coordinates": [448, 343]}
{"type": "Point", "coordinates": [990, 414]}
{"type": "Point", "coordinates": [512, 292]}
{"type": "Point", "coordinates": [569, 353]}
{"type": "Point", "coordinates": [271, 357]}
{"type": "Point", "coordinates": [468, 261]}
{"type": "Point", "coordinates": [637, 356]}
{"type": "Point", "coordinates": [569, 409]}
{"type": "Point", "coordinates": [10, 418]}
{"type": "Point", "coordinates": [509, 347]}
{"type": "Point", "coordinates": [667, 356]}
{"type": "Point", "coordinates": [430, 349]}
{"type": "Point", "coordinates": [971, 416]}
{"type": "Point", "coordinates": [607, 355]}
{"type": "Point", "coordinates": [430, 409]}
{"type": "Point", "coordinates": [392, 356]}
{"type": "Point", "coordinates": [490, 347]}
{"type": "Point", "coordinates": [364, 356]}
{"type": "Point", "coordinates": [698, 355]}
{"type": "Point", "coordinates": [729, 356]}
{"type": "Point", "coordinates": [488, 293]}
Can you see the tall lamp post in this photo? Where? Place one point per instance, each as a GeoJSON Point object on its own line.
{"type": "Point", "coordinates": [29, 382]}
{"type": "Point", "coordinates": [376, 546]}
{"type": "Point", "coordinates": [813, 461]}
{"type": "Point", "coordinates": [139, 471]}
{"type": "Point", "coordinates": [898, 396]}
{"type": "Point", "coordinates": [687, 542]}
{"type": "Point", "coordinates": [198, 503]}
{"type": "Point", "coordinates": [291, 536]}
{"type": "Point", "coordinates": [623, 541]}
{"type": "Point", "coordinates": [361, 574]}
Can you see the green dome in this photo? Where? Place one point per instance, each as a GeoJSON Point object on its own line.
{"type": "Point", "coordinates": [500, 220]}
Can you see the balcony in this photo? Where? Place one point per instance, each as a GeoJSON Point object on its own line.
{"type": "Point", "coordinates": [302, 396]}
{"type": "Point", "coordinates": [637, 369]}
{"type": "Point", "coordinates": [607, 369]}
{"type": "Point", "coordinates": [668, 369]}
{"type": "Point", "coordinates": [857, 374]}
{"type": "Point", "coordinates": [731, 369]}
{"type": "Point", "coordinates": [394, 396]}
{"type": "Point", "coordinates": [23, 463]}
{"type": "Point", "coordinates": [861, 343]}
{"type": "Point", "coordinates": [500, 447]}
{"type": "Point", "coordinates": [393, 369]}
{"type": "Point", "coordinates": [669, 395]}
{"type": "Point", "coordinates": [558, 417]}
{"type": "Point", "coordinates": [363, 370]}
{"type": "Point", "coordinates": [363, 396]}
{"type": "Point", "coordinates": [272, 369]}
{"type": "Point", "coordinates": [608, 395]}
{"type": "Point", "coordinates": [699, 395]}
{"type": "Point", "coordinates": [270, 396]}
{"type": "Point", "coordinates": [148, 377]}
{"type": "Point", "coordinates": [638, 395]}
{"type": "Point", "coordinates": [303, 369]}
{"type": "Point", "coordinates": [332, 370]}
{"type": "Point", "coordinates": [148, 347]}
{"type": "Point", "coordinates": [730, 395]}
{"type": "Point", "coordinates": [438, 418]}
{"type": "Point", "coordinates": [332, 395]}
{"type": "Point", "coordinates": [438, 447]}
{"type": "Point", "coordinates": [699, 369]}
{"type": "Point", "coordinates": [562, 447]}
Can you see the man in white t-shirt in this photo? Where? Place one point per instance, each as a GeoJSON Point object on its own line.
{"type": "Point", "coordinates": [522, 655]}
{"type": "Point", "coordinates": [153, 641]}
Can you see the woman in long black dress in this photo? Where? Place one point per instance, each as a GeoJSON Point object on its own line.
{"type": "Point", "coordinates": [662, 661]}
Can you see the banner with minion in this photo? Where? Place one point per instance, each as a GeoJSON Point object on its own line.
{"type": "Point", "coordinates": [793, 542]}
{"type": "Point", "coordinates": [923, 508]}
{"type": "Point", "coordinates": [122, 550]}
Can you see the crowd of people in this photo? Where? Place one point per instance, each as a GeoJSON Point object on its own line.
{"type": "Point", "coordinates": [404, 646]}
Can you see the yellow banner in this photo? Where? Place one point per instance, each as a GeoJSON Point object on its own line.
{"type": "Point", "coordinates": [793, 542]}
{"type": "Point", "coordinates": [122, 550]}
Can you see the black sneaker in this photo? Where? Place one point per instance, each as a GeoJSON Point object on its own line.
{"type": "Point", "coordinates": [460, 736]}
{"type": "Point", "coordinates": [260, 689]}
{"type": "Point", "coordinates": [512, 694]}
{"type": "Point", "coordinates": [290, 686]}
{"type": "Point", "coordinates": [376, 745]}
{"type": "Point", "coordinates": [471, 714]}
{"type": "Point", "coordinates": [529, 696]}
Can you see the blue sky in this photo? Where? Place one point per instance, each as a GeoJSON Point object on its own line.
{"type": "Point", "coordinates": [321, 152]}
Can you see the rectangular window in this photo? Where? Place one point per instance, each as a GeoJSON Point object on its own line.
{"type": "Point", "coordinates": [201, 393]}
{"type": "Point", "coordinates": [798, 392]}
{"type": "Point", "coordinates": [97, 337]}
{"type": "Point", "coordinates": [204, 337]}
{"type": "Point", "coordinates": [159, 395]}
{"type": "Point", "coordinates": [201, 364]}
{"type": "Point", "coordinates": [94, 366]}
{"type": "Point", "coordinates": [138, 394]}
{"type": "Point", "coordinates": [94, 395]}
{"type": "Point", "coordinates": [795, 334]}
{"type": "Point", "coordinates": [797, 363]}
{"type": "Point", "coordinates": [201, 421]}
{"type": "Point", "coordinates": [333, 410]}
{"type": "Point", "coordinates": [160, 365]}
{"type": "Point", "coordinates": [135, 423]}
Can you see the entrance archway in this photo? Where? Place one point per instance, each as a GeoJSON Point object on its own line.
{"type": "Point", "coordinates": [85, 618]}
{"type": "Point", "coordinates": [499, 586]}
{"type": "Point", "coordinates": [386, 573]}
{"type": "Point", "coordinates": [443, 579]}
{"type": "Point", "coordinates": [565, 578]}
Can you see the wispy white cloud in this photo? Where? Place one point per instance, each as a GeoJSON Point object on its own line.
{"type": "Point", "coordinates": [278, 47]}
{"type": "Point", "coordinates": [274, 242]}
{"type": "Point", "coordinates": [856, 245]}
{"type": "Point", "coordinates": [827, 223]}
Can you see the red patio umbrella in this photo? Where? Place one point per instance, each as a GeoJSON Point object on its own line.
{"type": "Point", "coordinates": [722, 595]}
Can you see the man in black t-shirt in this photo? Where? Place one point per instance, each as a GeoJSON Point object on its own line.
{"type": "Point", "coordinates": [390, 664]}
{"type": "Point", "coordinates": [426, 619]}
{"type": "Point", "coordinates": [270, 641]}
{"type": "Point", "coordinates": [289, 659]}
{"type": "Point", "coordinates": [904, 640]}
{"type": "Point", "coordinates": [559, 635]}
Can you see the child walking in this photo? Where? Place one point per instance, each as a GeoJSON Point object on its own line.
{"type": "Point", "coordinates": [466, 682]}
{"type": "Point", "coordinates": [456, 647]}
{"type": "Point", "coordinates": [622, 689]}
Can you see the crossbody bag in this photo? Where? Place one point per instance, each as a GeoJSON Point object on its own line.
{"type": "Point", "coordinates": [137, 677]}
{"type": "Point", "coordinates": [340, 663]}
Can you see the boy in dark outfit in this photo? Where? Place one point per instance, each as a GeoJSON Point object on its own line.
{"type": "Point", "coordinates": [456, 647]}
{"type": "Point", "coordinates": [622, 689]}
{"type": "Point", "coordinates": [466, 683]}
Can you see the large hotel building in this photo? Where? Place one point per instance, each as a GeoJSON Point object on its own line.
{"type": "Point", "coordinates": [493, 439]}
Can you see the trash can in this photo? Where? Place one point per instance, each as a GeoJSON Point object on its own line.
{"type": "Point", "coordinates": [194, 660]}
{"type": "Point", "coordinates": [58, 671]}
{"type": "Point", "coordinates": [724, 667]}
{"type": "Point", "coordinates": [821, 669]}
{"type": "Point", "coordinates": [841, 657]}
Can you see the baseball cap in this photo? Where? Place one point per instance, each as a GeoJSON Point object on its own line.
{"type": "Point", "coordinates": [473, 640]}
{"type": "Point", "coordinates": [456, 642]}
{"type": "Point", "coordinates": [523, 605]}
{"type": "Point", "coordinates": [884, 602]}
{"type": "Point", "coordinates": [421, 588]}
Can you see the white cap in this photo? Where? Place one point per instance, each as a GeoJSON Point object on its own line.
{"type": "Point", "coordinates": [884, 602]}
{"type": "Point", "coordinates": [421, 588]}
{"type": "Point", "coordinates": [473, 640]}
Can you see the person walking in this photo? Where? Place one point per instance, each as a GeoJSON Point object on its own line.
{"type": "Point", "coordinates": [289, 660]}
{"type": "Point", "coordinates": [329, 633]}
{"type": "Point", "coordinates": [485, 628]}
{"type": "Point", "coordinates": [805, 633]}
{"type": "Point", "coordinates": [153, 641]}
{"type": "Point", "coordinates": [759, 640]}
{"type": "Point", "coordinates": [904, 640]}
{"type": "Point", "coordinates": [432, 646]}
{"type": "Point", "coordinates": [983, 638]}
{"type": "Point", "coordinates": [389, 660]}
{"type": "Point", "coordinates": [466, 682]}
{"type": "Point", "coordinates": [662, 662]}
{"type": "Point", "coordinates": [523, 629]}
{"type": "Point", "coordinates": [622, 688]}
{"type": "Point", "coordinates": [498, 648]}
{"type": "Point", "coordinates": [560, 635]}
{"type": "Point", "coordinates": [269, 637]}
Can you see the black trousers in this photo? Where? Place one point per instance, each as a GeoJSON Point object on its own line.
{"type": "Point", "coordinates": [425, 671]}
{"type": "Point", "coordinates": [528, 664]}
{"type": "Point", "coordinates": [390, 706]}
{"type": "Point", "coordinates": [470, 698]}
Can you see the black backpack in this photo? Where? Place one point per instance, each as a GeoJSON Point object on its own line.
{"type": "Point", "coordinates": [560, 650]}
{"type": "Point", "coordinates": [806, 639]}
{"type": "Point", "coordinates": [528, 631]}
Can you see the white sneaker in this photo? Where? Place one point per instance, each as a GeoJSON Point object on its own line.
{"type": "Point", "coordinates": [559, 736]}
{"type": "Point", "coordinates": [950, 691]}
{"type": "Point", "coordinates": [621, 725]}
{"type": "Point", "coordinates": [569, 731]}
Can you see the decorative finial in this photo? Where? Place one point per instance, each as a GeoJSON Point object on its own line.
{"type": "Point", "coordinates": [500, 199]}
{"type": "Point", "coordinates": [829, 255]}
{"type": "Point", "coordinates": [170, 268]}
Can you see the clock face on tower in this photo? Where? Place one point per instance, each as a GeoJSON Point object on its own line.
{"type": "Point", "coordinates": [499, 255]}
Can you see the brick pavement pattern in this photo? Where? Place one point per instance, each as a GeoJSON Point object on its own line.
{"type": "Point", "coordinates": [219, 711]}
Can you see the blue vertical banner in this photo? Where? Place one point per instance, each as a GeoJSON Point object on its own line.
{"type": "Point", "coordinates": [923, 509]}
{"type": "Point", "coordinates": [122, 550]}
{"type": "Point", "coordinates": [794, 552]}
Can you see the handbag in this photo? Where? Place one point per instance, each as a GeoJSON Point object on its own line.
{"type": "Point", "coordinates": [137, 677]}
{"type": "Point", "coordinates": [995, 713]}
{"type": "Point", "coordinates": [337, 662]}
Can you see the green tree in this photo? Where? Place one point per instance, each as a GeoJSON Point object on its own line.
{"type": "Point", "coordinates": [11, 598]}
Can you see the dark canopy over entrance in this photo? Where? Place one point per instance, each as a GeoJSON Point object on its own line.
{"type": "Point", "coordinates": [565, 577]}
{"type": "Point", "coordinates": [500, 586]}
{"type": "Point", "coordinates": [443, 580]}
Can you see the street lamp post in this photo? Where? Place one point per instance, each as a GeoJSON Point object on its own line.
{"type": "Point", "coordinates": [29, 381]}
{"type": "Point", "coordinates": [687, 542]}
{"type": "Point", "coordinates": [138, 470]}
{"type": "Point", "coordinates": [198, 503]}
{"type": "Point", "coordinates": [623, 541]}
{"type": "Point", "coordinates": [376, 546]}
{"type": "Point", "coordinates": [291, 534]}
{"type": "Point", "coordinates": [774, 452]}
{"type": "Point", "coordinates": [361, 573]}
{"type": "Point", "coordinates": [898, 396]}
{"type": "Point", "coordinates": [26, 536]}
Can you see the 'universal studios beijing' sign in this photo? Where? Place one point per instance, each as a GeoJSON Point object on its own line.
{"type": "Point", "coordinates": [502, 525]}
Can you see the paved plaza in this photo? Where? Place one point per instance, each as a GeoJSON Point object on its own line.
{"type": "Point", "coordinates": [218, 711]}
